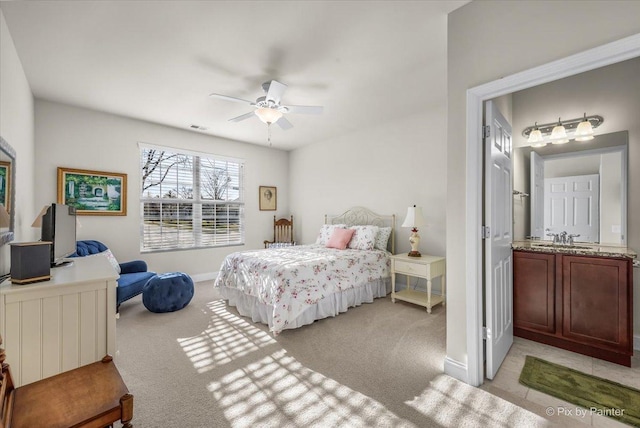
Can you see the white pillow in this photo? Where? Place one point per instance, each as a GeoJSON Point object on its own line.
{"type": "Point", "coordinates": [364, 237]}
{"type": "Point", "coordinates": [109, 255]}
{"type": "Point", "coordinates": [326, 231]}
{"type": "Point", "coordinates": [382, 239]}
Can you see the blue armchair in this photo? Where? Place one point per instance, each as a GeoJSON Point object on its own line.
{"type": "Point", "coordinates": [133, 275]}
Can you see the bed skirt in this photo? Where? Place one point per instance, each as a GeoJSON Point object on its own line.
{"type": "Point", "coordinates": [329, 306]}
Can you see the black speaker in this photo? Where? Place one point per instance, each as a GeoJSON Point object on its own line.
{"type": "Point", "coordinates": [30, 262]}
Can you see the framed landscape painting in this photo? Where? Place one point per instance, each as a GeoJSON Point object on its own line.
{"type": "Point", "coordinates": [93, 192]}
{"type": "Point", "coordinates": [5, 184]}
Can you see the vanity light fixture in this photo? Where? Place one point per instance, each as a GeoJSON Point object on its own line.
{"type": "Point", "coordinates": [584, 131]}
{"type": "Point", "coordinates": [535, 137]}
{"type": "Point", "coordinates": [560, 132]}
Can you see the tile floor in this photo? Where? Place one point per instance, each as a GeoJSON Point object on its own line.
{"type": "Point", "coordinates": [506, 384]}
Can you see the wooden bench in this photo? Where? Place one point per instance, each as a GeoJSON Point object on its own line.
{"type": "Point", "coordinates": [89, 396]}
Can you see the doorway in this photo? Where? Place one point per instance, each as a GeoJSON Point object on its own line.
{"type": "Point", "coordinates": [611, 53]}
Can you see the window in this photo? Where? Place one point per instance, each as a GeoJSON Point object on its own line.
{"type": "Point", "coordinates": [190, 200]}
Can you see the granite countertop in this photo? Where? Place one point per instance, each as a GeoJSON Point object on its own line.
{"type": "Point", "coordinates": [578, 249]}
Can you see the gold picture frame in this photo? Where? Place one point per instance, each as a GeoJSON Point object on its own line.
{"type": "Point", "coordinates": [93, 192]}
{"type": "Point", "coordinates": [268, 198]}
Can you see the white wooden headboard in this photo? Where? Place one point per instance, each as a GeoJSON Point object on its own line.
{"type": "Point", "coordinates": [360, 216]}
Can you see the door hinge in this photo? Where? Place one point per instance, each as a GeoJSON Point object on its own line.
{"type": "Point", "coordinates": [486, 232]}
{"type": "Point", "coordinates": [486, 131]}
{"type": "Point", "coordinates": [484, 333]}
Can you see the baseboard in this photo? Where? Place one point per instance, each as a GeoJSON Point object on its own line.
{"type": "Point", "coordinates": [636, 342]}
{"type": "Point", "coordinates": [201, 277]}
{"type": "Point", "coordinates": [455, 369]}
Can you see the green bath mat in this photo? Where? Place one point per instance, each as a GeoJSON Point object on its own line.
{"type": "Point", "coordinates": [596, 395]}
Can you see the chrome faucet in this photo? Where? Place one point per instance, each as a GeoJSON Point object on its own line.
{"type": "Point", "coordinates": [556, 237]}
{"type": "Point", "coordinates": [563, 237]}
{"type": "Point", "coordinates": [570, 238]}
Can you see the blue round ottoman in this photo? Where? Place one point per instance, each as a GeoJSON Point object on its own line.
{"type": "Point", "coordinates": [167, 292]}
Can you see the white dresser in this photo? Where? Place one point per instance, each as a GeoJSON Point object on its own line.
{"type": "Point", "coordinates": [57, 325]}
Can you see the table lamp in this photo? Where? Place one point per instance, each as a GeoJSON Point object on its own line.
{"type": "Point", "coordinates": [414, 220]}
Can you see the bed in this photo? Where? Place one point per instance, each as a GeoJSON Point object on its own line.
{"type": "Point", "coordinates": [290, 287]}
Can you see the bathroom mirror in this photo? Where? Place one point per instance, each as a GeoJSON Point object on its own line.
{"type": "Point", "coordinates": [7, 191]}
{"type": "Point", "coordinates": [578, 187]}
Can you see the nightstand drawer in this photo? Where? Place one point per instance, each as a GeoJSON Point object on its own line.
{"type": "Point", "coordinates": [410, 268]}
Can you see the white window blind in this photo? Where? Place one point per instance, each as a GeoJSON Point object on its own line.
{"type": "Point", "coordinates": [190, 200]}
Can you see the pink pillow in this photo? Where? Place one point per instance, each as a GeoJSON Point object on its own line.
{"type": "Point", "coordinates": [340, 238]}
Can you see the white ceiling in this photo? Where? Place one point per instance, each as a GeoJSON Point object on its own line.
{"type": "Point", "coordinates": [364, 61]}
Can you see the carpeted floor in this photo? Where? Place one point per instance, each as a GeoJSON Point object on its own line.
{"type": "Point", "coordinates": [378, 365]}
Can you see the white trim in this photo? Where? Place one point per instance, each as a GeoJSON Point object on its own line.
{"type": "Point", "coordinates": [455, 369]}
{"type": "Point", "coordinates": [598, 57]}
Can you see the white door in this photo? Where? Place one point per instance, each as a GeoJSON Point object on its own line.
{"type": "Point", "coordinates": [571, 204]}
{"type": "Point", "coordinates": [498, 254]}
{"type": "Point", "coordinates": [537, 196]}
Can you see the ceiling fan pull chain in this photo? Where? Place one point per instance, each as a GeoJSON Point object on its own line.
{"type": "Point", "coordinates": [269, 133]}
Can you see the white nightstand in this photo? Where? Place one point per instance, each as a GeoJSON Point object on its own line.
{"type": "Point", "coordinates": [427, 267]}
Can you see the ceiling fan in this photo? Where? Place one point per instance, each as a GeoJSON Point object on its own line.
{"type": "Point", "coordinates": [268, 108]}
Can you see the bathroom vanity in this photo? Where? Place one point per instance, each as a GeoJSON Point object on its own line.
{"type": "Point", "coordinates": [578, 298]}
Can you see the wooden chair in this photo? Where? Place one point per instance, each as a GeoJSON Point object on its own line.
{"type": "Point", "coordinates": [282, 232]}
{"type": "Point", "coordinates": [89, 396]}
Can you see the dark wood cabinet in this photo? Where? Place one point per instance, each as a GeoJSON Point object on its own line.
{"type": "Point", "coordinates": [534, 294]}
{"type": "Point", "coordinates": [579, 303]}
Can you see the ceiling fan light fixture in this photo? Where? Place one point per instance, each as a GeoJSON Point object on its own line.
{"type": "Point", "coordinates": [268, 115]}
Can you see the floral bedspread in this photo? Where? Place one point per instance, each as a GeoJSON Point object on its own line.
{"type": "Point", "coordinates": [291, 279]}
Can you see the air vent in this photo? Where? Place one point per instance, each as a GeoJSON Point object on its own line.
{"type": "Point", "coordinates": [198, 127]}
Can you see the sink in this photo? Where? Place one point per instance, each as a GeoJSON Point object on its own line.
{"type": "Point", "coordinates": [560, 246]}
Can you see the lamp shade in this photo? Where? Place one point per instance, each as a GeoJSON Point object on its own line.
{"type": "Point", "coordinates": [268, 115]}
{"type": "Point", "coordinates": [5, 219]}
{"type": "Point", "coordinates": [536, 139]}
{"type": "Point", "coordinates": [414, 217]}
{"type": "Point", "coordinates": [559, 134]}
{"type": "Point", "coordinates": [38, 221]}
{"type": "Point", "coordinates": [584, 131]}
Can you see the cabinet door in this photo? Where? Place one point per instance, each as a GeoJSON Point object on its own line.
{"type": "Point", "coordinates": [534, 291]}
{"type": "Point", "coordinates": [597, 302]}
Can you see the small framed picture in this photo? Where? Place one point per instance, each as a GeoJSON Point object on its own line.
{"type": "Point", "coordinates": [268, 198]}
{"type": "Point", "coordinates": [5, 185]}
{"type": "Point", "coordinates": [93, 192]}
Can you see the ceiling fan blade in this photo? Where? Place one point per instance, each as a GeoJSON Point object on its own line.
{"type": "Point", "coordinates": [304, 109]}
{"type": "Point", "coordinates": [234, 99]}
{"type": "Point", "coordinates": [284, 123]}
{"type": "Point", "coordinates": [276, 90]}
{"type": "Point", "coordinates": [243, 117]}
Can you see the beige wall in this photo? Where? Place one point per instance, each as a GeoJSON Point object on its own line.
{"type": "Point", "coordinates": [17, 128]}
{"type": "Point", "coordinates": [386, 168]}
{"type": "Point", "coordinates": [85, 139]}
{"type": "Point", "coordinates": [489, 40]}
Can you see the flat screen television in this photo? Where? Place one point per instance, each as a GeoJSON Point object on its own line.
{"type": "Point", "coordinates": [59, 227]}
